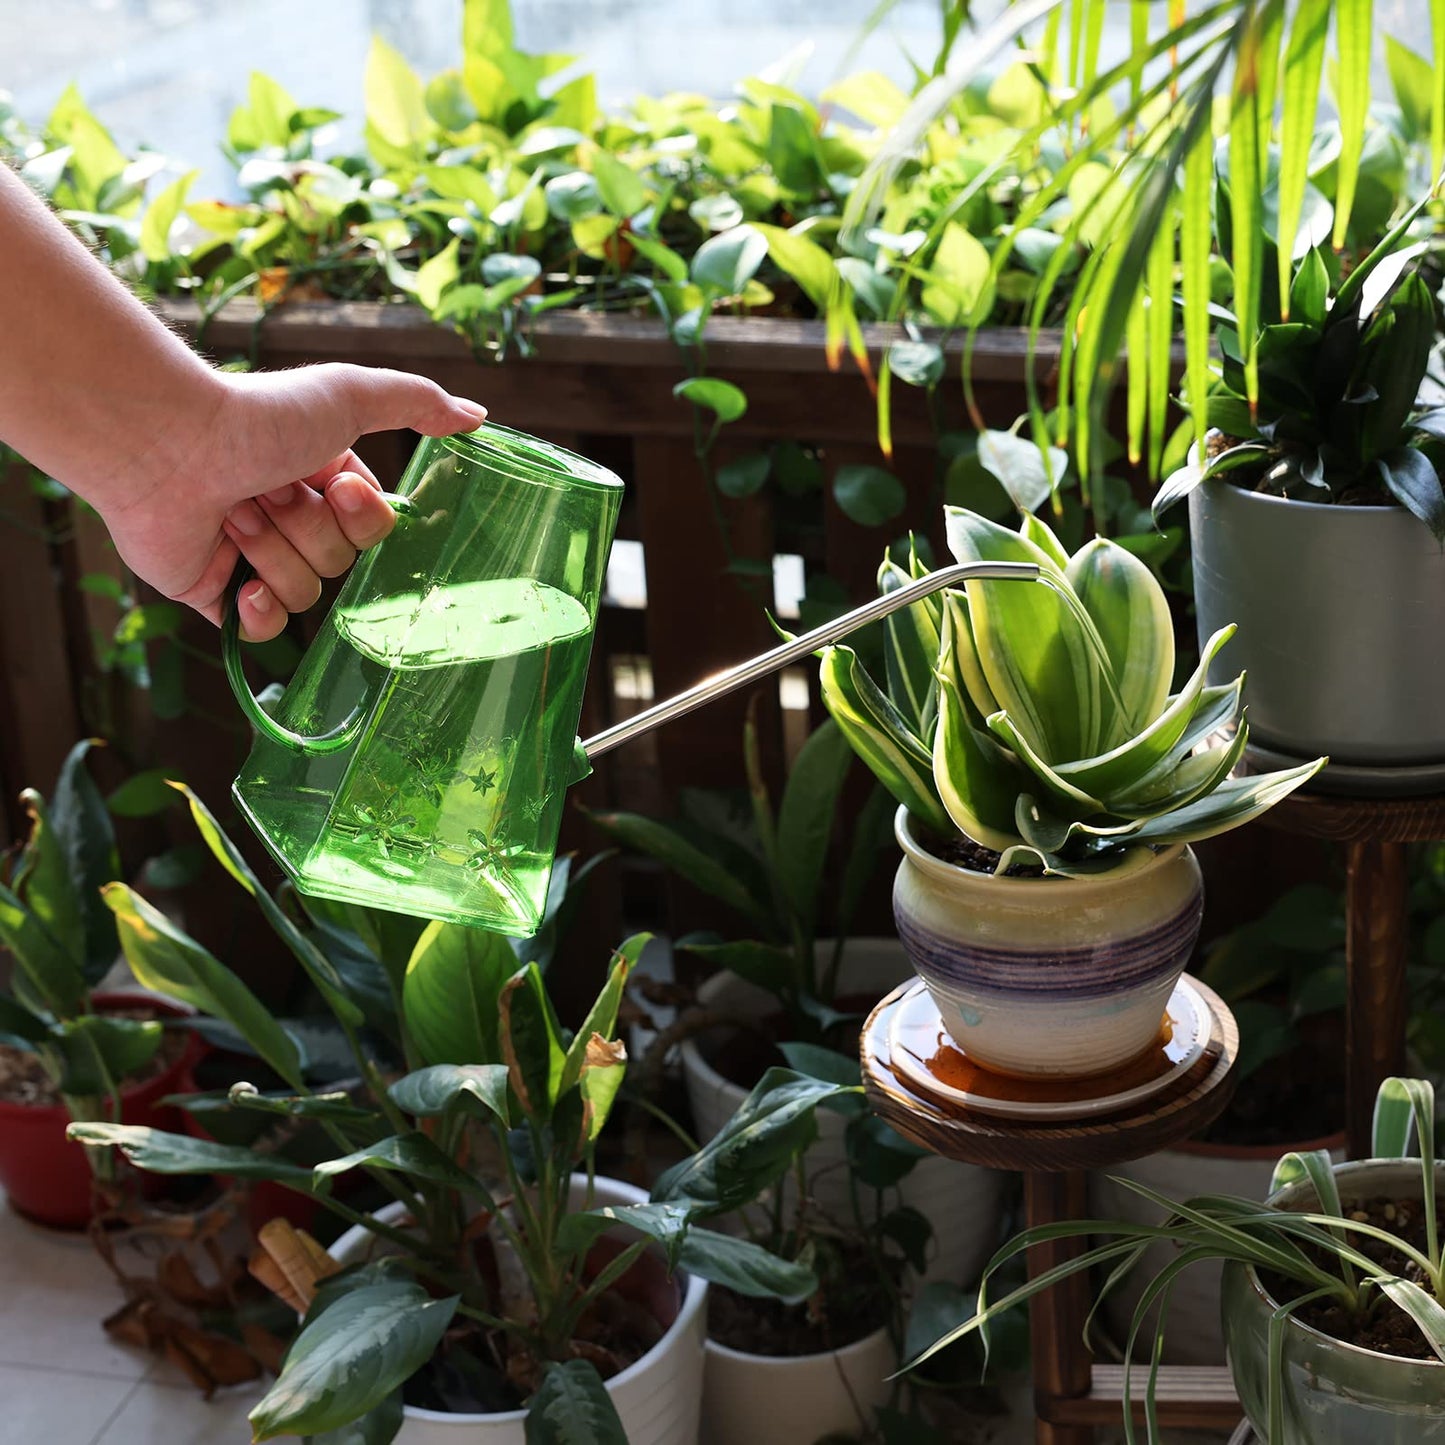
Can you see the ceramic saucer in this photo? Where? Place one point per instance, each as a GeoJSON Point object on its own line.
{"type": "Point", "coordinates": [925, 1056]}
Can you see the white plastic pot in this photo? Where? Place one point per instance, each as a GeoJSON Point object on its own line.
{"type": "Point", "coordinates": [771, 1400]}
{"type": "Point", "coordinates": [960, 1201]}
{"type": "Point", "coordinates": [659, 1398]}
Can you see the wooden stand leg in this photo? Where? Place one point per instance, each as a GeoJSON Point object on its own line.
{"type": "Point", "coordinates": [1376, 919]}
{"type": "Point", "coordinates": [1063, 1366]}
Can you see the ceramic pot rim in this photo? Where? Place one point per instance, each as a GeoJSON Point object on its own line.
{"type": "Point", "coordinates": [843, 1352]}
{"type": "Point", "coordinates": [1299, 504]}
{"type": "Point", "coordinates": [1354, 1166]}
{"type": "Point", "coordinates": [1134, 861]}
{"type": "Point", "coordinates": [694, 1294]}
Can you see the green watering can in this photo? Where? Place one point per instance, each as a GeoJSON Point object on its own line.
{"type": "Point", "coordinates": [419, 758]}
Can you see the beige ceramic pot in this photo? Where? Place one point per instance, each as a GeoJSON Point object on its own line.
{"type": "Point", "coordinates": [1049, 977]}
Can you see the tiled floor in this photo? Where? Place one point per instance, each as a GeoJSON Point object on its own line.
{"type": "Point", "coordinates": [63, 1382]}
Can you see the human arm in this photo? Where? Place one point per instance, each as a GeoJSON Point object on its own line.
{"type": "Point", "coordinates": [188, 466]}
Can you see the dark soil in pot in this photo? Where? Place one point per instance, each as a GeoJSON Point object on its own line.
{"type": "Point", "coordinates": [963, 852]}
{"type": "Point", "coordinates": [1387, 1328]}
{"type": "Point", "coordinates": [23, 1079]}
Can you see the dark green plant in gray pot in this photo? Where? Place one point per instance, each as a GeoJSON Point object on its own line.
{"type": "Point", "coordinates": [1318, 518]}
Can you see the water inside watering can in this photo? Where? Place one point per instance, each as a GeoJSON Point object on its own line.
{"type": "Point", "coordinates": [449, 802]}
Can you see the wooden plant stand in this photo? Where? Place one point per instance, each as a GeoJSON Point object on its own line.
{"type": "Point", "coordinates": [1072, 1395]}
{"type": "Point", "coordinates": [1375, 832]}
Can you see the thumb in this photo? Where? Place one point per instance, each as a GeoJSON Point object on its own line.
{"type": "Point", "coordinates": [383, 400]}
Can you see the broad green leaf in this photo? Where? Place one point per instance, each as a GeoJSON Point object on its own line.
{"type": "Point", "coordinates": [744, 476]}
{"type": "Point", "coordinates": [743, 1267]}
{"type": "Point", "coordinates": [868, 495]}
{"type": "Point", "coordinates": [919, 363]}
{"type": "Point", "coordinates": [806, 815]}
{"type": "Point", "coordinates": [1131, 613]}
{"type": "Point", "coordinates": [100, 1052]}
{"type": "Point", "coordinates": [316, 964]}
{"type": "Point", "coordinates": [601, 1018]}
{"type": "Point", "coordinates": [46, 884]}
{"type": "Point", "coordinates": [871, 96]}
{"type": "Point", "coordinates": [976, 779]}
{"type": "Point", "coordinates": [618, 184]}
{"type": "Point", "coordinates": [531, 1042]}
{"type": "Point", "coordinates": [876, 731]}
{"type": "Point", "coordinates": [161, 215]}
{"type": "Point", "coordinates": [19, 1022]}
{"type": "Point", "coordinates": [351, 1356]}
{"type": "Point", "coordinates": [804, 260]}
{"type": "Point", "coordinates": [82, 827]}
{"type": "Point", "coordinates": [53, 975]}
{"type": "Point", "coordinates": [684, 857]}
{"type": "Point", "coordinates": [793, 150]}
{"type": "Point", "coordinates": [573, 196]}
{"type": "Point", "coordinates": [572, 1407]}
{"type": "Point", "coordinates": [754, 1149]}
{"type": "Point", "coordinates": [379, 1426]}
{"type": "Point", "coordinates": [729, 402]}
{"type": "Point", "coordinates": [143, 794]}
{"type": "Point", "coordinates": [599, 1085]}
{"type": "Point", "coordinates": [169, 961]}
{"type": "Point", "coordinates": [1236, 801]}
{"type": "Point", "coordinates": [437, 273]}
{"type": "Point", "coordinates": [727, 262]}
{"type": "Point", "coordinates": [1309, 291]}
{"type": "Point", "coordinates": [959, 286]}
{"type": "Point", "coordinates": [1411, 478]}
{"type": "Point", "coordinates": [454, 980]}
{"type": "Point", "coordinates": [1028, 474]}
{"type": "Point", "coordinates": [395, 98]}
{"type": "Point", "coordinates": [162, 1153]}
{"type": "Point", "coordinates": [431, 1091]}
{"type": "Point", "coordinates": [815, 1062]}
{"type": "Point", "coordinates": [413, 1154]}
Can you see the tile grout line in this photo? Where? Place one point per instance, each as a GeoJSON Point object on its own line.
{"type": "Point", "coordinates": [99, 1437]}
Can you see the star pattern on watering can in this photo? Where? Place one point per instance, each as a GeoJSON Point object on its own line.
{"type": "Point", "coordinates": [489, 854]}
{"type": "Point", "coordinates": [383, 826]}
{"type": "Point", "coordinates": [433, 776]}
{"type": "Point", "coordinates": [481, 780]}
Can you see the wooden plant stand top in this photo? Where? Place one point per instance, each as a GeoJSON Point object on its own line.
{"type": "Point", "coordinates": [1071, 1394]}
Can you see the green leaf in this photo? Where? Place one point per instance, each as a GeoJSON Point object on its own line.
{"type": "Point", "coordinates": [1304, 60]}
{"type": "Point", "coordinates": [601, 1020]}
{"type": "Point", "coordinates": [574, 196]}
{"type": "Point", "coordinates": [764, 964]}
{"type": "Point", "coordinates": [18, 1022]}
{"type": "Point", "coordinates": [744, 476]}
{"type": "Point", "coordinates": [315, 963]}
{"type": "Point", "coordinates": [395, 98]}
{"type": "Point", "coordinates": [348, 1359]}
{"type": "Point", "coordinates": [100, 1051]}
{"type": "Point", "coordinates": [572, 1407]}
{"type": "Point", "coordinates": [815, 1062]}
{"type": "Point", "coordinates": [82, 827]}
{"type": "Point", "coordinates": [618, 184]}
{"type": "Point", "coordinates": [1319, 1169]}
{"type": "Point", "coordinates": [531, 1042]}
{"type": "Point", "coordinates": [1235, 802]}
{"type": "Point", "coordinates": [754, 1149]}
{"type": "Point", "coordinates": [143, 795]}
{"type": "Point", "coordinates": [436, 274]}
{"type": "Point", "coordinates": [726, 263]}
{"type": "Point", "coordinates": [1020, 467]}
{"type": "Point", "coordinates": [1411, 478]}
{"type": "Point", "coordinates": [53, 975]}
{"type": "Point", "coordinates": [911, 640]}
{"type": "Point", "coordinates": [804, 260]}
{"type": "Point", "coordinates": [167, 960]}
{"type": "Point", "coordinates": [454, 981]}
{"type": "Point", "coordinates": [413, 1154]}
{"type": "Point", "coordinates": [868, 495]}
{"type": "Point", "coordinates": [431, 1091]}
{"type": "Point", "coordinates": [805, 818]}
{"type": "Point", "coordinates": [744, 1267]}
{"type": "Point", "coordinates": [162, 1153]}
{"type": "Point", "coordinates": [161, 215]}
{"type": "Point", "coordinates": [1403, 1107]}
{"type": "Point", "coordinates": [722, 397]}
{"type": "Point", "coordinates": [1354, 36]}
{"type": "Point", "coordinates": [1422, 1307]}
{"type": "Point", "coordinates": [793, 150]}
{"type": "Point", "coordinates": [919, 363]}
{"type": "Point", "coordinates": [959, 286]}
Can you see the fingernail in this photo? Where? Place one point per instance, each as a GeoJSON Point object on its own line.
{"type": "Point", "coordinates": [247, 519]}
{"type": "Point", "coordinates": [259, 597]}
{"type": "Point", "coordinates": [474, 412]}
{"type": "Point", "coordinates": [346, 493]}
{"type": "Point", "coordinates": [282, 495]}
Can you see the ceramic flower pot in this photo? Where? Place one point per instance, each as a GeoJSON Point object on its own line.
{"type": "Point", "coordinates": [658, 1398]}
{"type": "Point", "coordinates": [1333, 1393]}
{"type": "Point", "coordinates": [960, 1201]}
{"type": "Point", "coordinates": [45, 1176]}
{"type": "Point", "coordinates": [1194, 1336]}
{"type": "Point", "coordinates": [1338, 643]}
{"type": "Point", "coordinates": [1049, 977]}
{"type": "Point", "coordinates": [772, 1400]}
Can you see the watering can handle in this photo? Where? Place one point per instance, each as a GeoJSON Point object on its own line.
{"type": "Point", "coordinates": [800, 647]}
{"type": "Point", "coordinates": [344, 733]}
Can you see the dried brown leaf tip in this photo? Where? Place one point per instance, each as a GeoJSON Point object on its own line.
{"type": "Point", "coordinates": [603, 1053]}
{"type": "Point", "coordinates": [289, 1262]}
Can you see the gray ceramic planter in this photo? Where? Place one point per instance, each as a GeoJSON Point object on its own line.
{"type": "Point", "coordinates": [1334, 1393]}
{"type": "Point", "coordinates": [1341, 614]}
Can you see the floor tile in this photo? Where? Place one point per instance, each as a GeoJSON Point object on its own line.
{"type": "Point", "coordinates": [166, 1415]}
{"type": "Point", "coordinates": [54, 1292]}
{"type": "Point", "coordinates": [58, 1408]}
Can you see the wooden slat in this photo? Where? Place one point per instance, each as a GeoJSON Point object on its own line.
{"type": "Point", "coordinates": [1061, 1365]}
{"type": "Point", "coordinates": [1188, 1396]}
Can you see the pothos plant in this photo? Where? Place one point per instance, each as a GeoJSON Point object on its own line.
{"type": "Point", "coordinates": [1036, 719]}
{"type": "Point", "coordinates": [479, 1141]}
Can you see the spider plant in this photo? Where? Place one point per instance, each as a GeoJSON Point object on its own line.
{"type": "Point", "coordinates": [1330, 1252]}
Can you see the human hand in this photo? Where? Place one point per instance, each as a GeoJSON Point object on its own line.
{"type": "Point", "coordinates": [266, 471]}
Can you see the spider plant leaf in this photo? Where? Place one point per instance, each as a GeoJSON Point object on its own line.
{"type": "Point", "coordinates": [1160, 331]}
{"type": "Point", "coordinates": [1421, 1306]}
{"type": "Point", "coordinates": [1316, 1166]}
{"type": "Point", "coordinates": [1246, 186]}
{"type": "Point", "coordinates": [1304, 63]}
{"type": "Point", "coordinates": [1194, 263]}
{"type": "Point", "coordinates": [1402, 1106]}
{"type": "Point", "coordinates": [1129, 609]}
{"type": "Point", "coordinates": [976, 779]}
{"type": "Point", "coordinates": [877, 732]}
{"type": "Point", "coordinates": [1354, 36]}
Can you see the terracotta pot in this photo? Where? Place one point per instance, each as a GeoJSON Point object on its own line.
{"type": "Point", "coordinates": [773, 1400]}
{"type": "Point", "coordinates": [1333, 1393]}
{"type": "Point", "coordinates": [1193, 1335]}
{"type": "Point", "coordinates": [960, 1201]}
{"type": "Point", "coordinates": [658, 1398]}
{"type": "Point", "coordinates": [1049, 977]}
{"type": "Point", "coordinates": [46, 1177]}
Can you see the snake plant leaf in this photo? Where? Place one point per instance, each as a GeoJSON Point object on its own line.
{"type": "Point", "coordinates": [1049, 833]}
{"type": "Point", "coordinates": [1132, 616]}
{"type": "Point", "coordinates": [957, 635]}
{"type": "Point", "coordinates": [1002, 727]}
{"type": "Point", "coordinates": [878, 734]}
{"type": "Point", "coordinates": [1309, 291]}
{"type": "Point", "coordinates": [1042, 536]}
{"type": "Point", "coordinates": [1233, 803]}
{"type": "Point", "coordinates": [1123, 767]}
{"type": "Point", "coordinates": [910, 651]}
{"type": "Point", "coordinates": [976, 779]}
{"type": "Point", "coordinates": [1176, 784]}
{"type": "Point", "coordinates": [1413, 481]}
{"type": "Point", "coordinates": [1034, 656]}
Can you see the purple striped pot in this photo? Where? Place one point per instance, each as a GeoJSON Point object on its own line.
{"type": "Point", "coordinates": [1060, 977]}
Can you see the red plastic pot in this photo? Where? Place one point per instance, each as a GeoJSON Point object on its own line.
{"type": "Point", "coordinates": [46, 1176]}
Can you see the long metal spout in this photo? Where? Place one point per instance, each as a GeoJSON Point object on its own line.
{"type": "Point", "coordinates": [732, 678]}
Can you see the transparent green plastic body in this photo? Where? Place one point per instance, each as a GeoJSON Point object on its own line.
{"type": "Point", "coordinates": [418, 759]}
